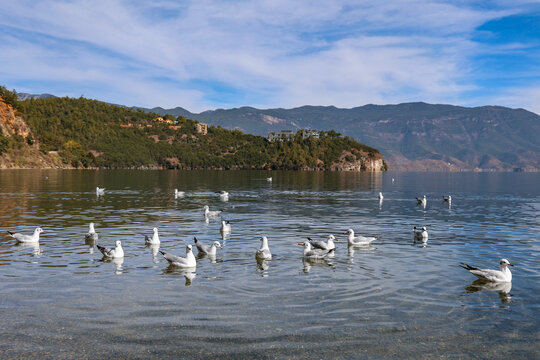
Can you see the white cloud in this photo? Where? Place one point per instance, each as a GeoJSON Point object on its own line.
{"type": "Point", "coordinates": [269, 53]}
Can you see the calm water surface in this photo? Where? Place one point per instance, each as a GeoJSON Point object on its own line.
{"type": "Point", "coordinates": [397, 298]}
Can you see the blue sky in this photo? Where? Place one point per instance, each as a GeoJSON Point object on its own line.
{"type": "Point", "coordinates": [205, 54]}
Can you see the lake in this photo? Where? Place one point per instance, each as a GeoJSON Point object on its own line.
{"type": "Point", "coordinates": [396, 298]}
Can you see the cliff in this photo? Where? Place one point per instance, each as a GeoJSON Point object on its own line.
{"type": "Point", "coordinates": [19, 150]}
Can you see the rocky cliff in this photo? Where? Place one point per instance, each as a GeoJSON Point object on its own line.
{"type": "Point", "coordinates": [21, 150]}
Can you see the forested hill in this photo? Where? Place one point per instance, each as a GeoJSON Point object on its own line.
{"type": "Point", "coordinates": [89, 133]}
{"type": "Point", "coordinates": [415, 136]}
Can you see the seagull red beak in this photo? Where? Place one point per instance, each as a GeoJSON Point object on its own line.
{"type": "Point", "coordinates": [345, 233]}
{"type": "Point", "coordinates": [511, 264]}
{"type": "Point", "coordinates": [301, 244]}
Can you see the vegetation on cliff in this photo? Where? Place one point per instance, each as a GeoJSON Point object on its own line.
{"type": "Point", "coordinates": [90, 133]}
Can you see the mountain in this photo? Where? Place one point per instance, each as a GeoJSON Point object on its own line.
{"type": "Point", "coordinates": [26, 96]}
{"type": "Point", "coordinates": [67, 132]}
{"type": "Point", "coordinates": [410, 136]}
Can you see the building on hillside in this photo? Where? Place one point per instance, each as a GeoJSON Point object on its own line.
{"type": "Point", "coordinates": [162, 120]}
{"type": "Point", "coordinates": [310, 133]}
{"type": "Point", "coordinates": [284, 135]}
{"type": "Point", "coordinates": [201, 128]}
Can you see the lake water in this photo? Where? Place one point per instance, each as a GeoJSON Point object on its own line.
{"type": "Point", "coordinates": [397, 298]}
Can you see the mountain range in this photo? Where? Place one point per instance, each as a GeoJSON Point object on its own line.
{"type": "Point", "coordinates": [410, 136]}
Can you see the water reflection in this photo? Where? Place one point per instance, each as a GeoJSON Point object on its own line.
{"type": "Point", "coordinates": [155, 250]}
{"type": "Point", "coordinates": [117, 262]}
{"type": "Point", "coordinates": [352, 249]}
{"type": "Point", "coordinates": [212, 258]}
{"type": "Point", "coordinates": [503, 288]}
{"type": "Point", "coordinates": [36, 249]}
{"type": "Point", "coordinates": [188, 273]}
{"type": "Point", "coordinates": [308, 263]}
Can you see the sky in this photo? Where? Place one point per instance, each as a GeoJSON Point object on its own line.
{"type": "Point", "coordinates": [203, 55]}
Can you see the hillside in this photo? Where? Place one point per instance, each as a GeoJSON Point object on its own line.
{"type": "Point", "coordinates": [89, 133]}
{"type": "Point", "coordinates": [414, 136]}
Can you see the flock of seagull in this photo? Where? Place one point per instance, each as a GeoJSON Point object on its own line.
{"type": "Point", "coordinates": [313, 249]}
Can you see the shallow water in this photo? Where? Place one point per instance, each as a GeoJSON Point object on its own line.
{"type": "Point", "coordinates": [397, 298]}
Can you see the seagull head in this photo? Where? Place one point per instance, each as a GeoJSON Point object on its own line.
{"type": "Point", "coordinates": [188, 249]}
{"type": "Point", "coordinates": [155, 230]}
{"type": "Point", "coordinates": [424, 228]}
{"type": "Point", "coordinates": [206, 207]}
{"type": "Point", "coordinates": [349, 232]}
{"type": "Point", "coordinates": [504, 263]}
{"type": "Point", "coordinates": [217, 244]}
{"type": "Point", "coordinates": [39, 230]}
{"type": "Point", "coordinates": [118, 243]}
{"type": "Point", "coordinates": [332, 237]}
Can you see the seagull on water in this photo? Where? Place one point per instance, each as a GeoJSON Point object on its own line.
{"type": "Point", "coordinates": [420, 234]}
{"type": "Point", "coordinates": [154, 240]}
{"type": "Point", "coordinates": [225, 227]}
{"type": "Point", "coordinates": [447, 199]}
{"type": "Point", "coordinates": [115, 253]}
{"type": "Point", "coordinates": [205, 249]}
{"type": "Point", "coordinates": [264, 252]}
{"type": "Point", "coordinates": [421, 201]}
{"type": "Point", "coordinates": [92, 234]}
{"type": "Point", "coordinates": [381, 197]}
{"type": "Point", "coordinates": [310, 253]}
{"type": "Point", "coordinates": [100, 191]}
{"type": "Point", "coordinates": [359, 240]}
{"type": "Point", "coordinates": [34, 238]}
{"type": "Point", "coordinates": [208, 213]}
{"type": "Point", "coordinates": [223, 195]}
{"type": "Point", "coordinates": [269, 179]}
{"type": "Point", "coordinates": [502, 275]}
{"type": "Point", "coordinates": [178, 194]}
{"type": "Point", "coordinates": [185, 262]}
{"type": "Point", "coordinates": [328, 245]}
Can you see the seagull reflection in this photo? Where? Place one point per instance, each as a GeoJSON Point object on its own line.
{"type": "Point", "coordinates": [262, 266]}
{"type": "Point", "coordinates": [353, 248]}
{"type": "Point", "coordinates": [117, 263]}
{"type": "Point", "coordinates": [155, 250]}
{"type": "Point", "coordinates": [420, 242]}
{"type": "Point", "coordinates": [37, 251]}
{"type": "Point", "coordinates": [308, 263]}
{"type": "Point", "coordinates": [502, 287]}
{"type": "Point", "coordinates": [189, 273]}
{"type": "Point", "coordinates": [213, 259]}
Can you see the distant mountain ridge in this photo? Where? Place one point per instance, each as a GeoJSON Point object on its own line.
{"type": "Point", "coordinates": [410, 135]}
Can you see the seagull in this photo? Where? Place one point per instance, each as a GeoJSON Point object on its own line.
{"type": "Point", "coordinates": [502, 275]}
{"type": "Point", "coordinates": [34, 238]}
{"type": "Point", "coordinates": [205, 249]}
{"type": "Point", "coordinates": [422, 201]}
{"type": "Point", "coordinates": [359, 240]}
{"type": "Point", "coordinates": [381, 197]}
{"type": "Point", "coordinates": [264, 252]}
{"type": "Point", "coordinates": [447, 199]}
{"type": "Point", "coordinates": [328, 245]}
{"type": "Point", "coordinates": [208, 213]}
{"type": "Point", "coordinates": [154, 240]}
{"type": "Point", "coordinates": [117, 252]}
{"type": "Point", "coordinates": [178, 194]}
{"type": "Point", "coordinates": [269, 179]}
{"type": "Point", "coordinates": [92, 234]}
{"type": "Point", "coordinates": [186, 262]}
{"type": "Point", "coordinates": [223, 195]}
{"type": "Point", "coordinates": [420, 234]}
{"type": "Point", "coordinates": [310, 253]}
{"type": "Point", "coordinates": [100, 191]}
{"type": "Point", "coordinates": [225, 226]}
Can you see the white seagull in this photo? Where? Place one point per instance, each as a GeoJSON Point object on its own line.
{"type": "Point", "coordinates": [100, 191]}
{"type": "Point", "coordinates": [422, 201]}
{"type": "Point", "coordinates": [264, 252]}
{"type": "Point", "coordinates": [328, 245]}
{"type": "Point", "coordinates": [502, 275]}
{"type": "Point", "coordinates": [447, 199]}
{"type": "Point", "coordinates": [225, 226]}
{"type": "Point", "coordinates": [381, 197]}
{"type": "Point", "coordinates": [310, 253]}
{"type": "Point", "coordinates": [358, 240]}
{"type": "Point", "coordinates": [92, 234]}
{"type": "Point", "coordinates": [208, 213]}
{"type": "Point", "coordinates": [34, 238]}
{"type": "Point", "coordinates": [223, 195]}
{"type": "Point", "coordinates": [207, 250]}
{"type": "Point", "coordinates": [178, 194]}
{"type": "Point", "coordinates": [154, 240]}
{"type": "Point", "coordinates": [420, 234]}
{"type": "Point", "coordinates": [185, 262]}
{"type": "Point", "coordinates": [269, 179]}
{"type": "Point", "coordinates": [115, 253]}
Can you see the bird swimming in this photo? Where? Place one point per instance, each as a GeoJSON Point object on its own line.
{"type": "Point", "coordinates": [115, 253]}
{"type": "Point", "coordinates": [34, 238]}
{"type": "Point", "coordinates": [502, 275]}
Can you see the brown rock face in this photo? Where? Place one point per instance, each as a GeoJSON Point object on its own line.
{"type": "Point", "coordinates": [11, 123]}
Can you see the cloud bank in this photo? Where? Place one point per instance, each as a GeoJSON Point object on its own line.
{"type": "Point", "coordinates": [208, 54]}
